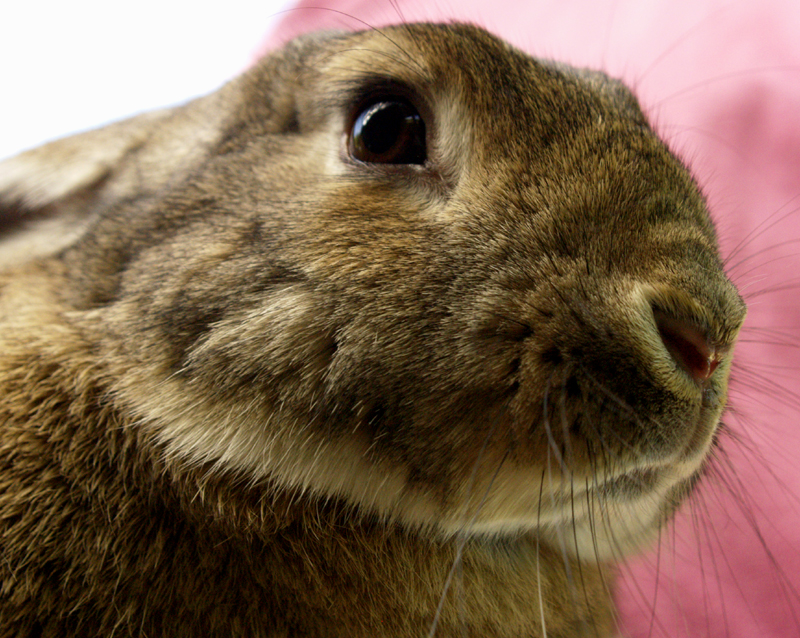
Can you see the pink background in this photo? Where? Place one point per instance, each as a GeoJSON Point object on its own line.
{"type": "Point", "coordinates": [721, 81]}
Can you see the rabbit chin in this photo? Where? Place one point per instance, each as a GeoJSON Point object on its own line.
{"type": "Point", "coordinates": [605, 530]}
{"type": "Point", "coordinates": [588, 518]}
{"type": "Point", "coordinates": [591, 517]}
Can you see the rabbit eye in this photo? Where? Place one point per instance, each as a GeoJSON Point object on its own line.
{"type": "Point", "coordinates": [388, 132]}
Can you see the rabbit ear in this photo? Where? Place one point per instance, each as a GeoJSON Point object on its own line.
{"type": "Point", "coordinates": [49, 195]}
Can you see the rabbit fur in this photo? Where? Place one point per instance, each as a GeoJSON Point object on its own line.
{"type": "Point", "coordinates": [252, 385]}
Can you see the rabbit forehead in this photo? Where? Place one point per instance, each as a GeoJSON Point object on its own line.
{"type": "Point", "coordinates": [491, 76]}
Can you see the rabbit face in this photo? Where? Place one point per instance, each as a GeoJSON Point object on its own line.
{"type": "Point", "coordinates": [413, 269]}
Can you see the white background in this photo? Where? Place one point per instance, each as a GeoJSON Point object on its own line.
{"type": "Point", "coordinates": [69, 66]}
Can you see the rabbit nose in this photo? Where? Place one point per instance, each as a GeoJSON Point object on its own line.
{"type": "Point", "coordinates": [690, 347]}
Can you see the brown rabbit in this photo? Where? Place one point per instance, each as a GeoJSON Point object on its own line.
{"type": "Point", "coordinates": [401, 333]}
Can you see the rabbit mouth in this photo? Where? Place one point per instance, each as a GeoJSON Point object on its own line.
{"type": "Point", "coordinates": [628, 487]}
{"type": "Point", "coordinates": [635, 484]}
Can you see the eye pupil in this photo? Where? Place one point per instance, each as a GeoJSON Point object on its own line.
{"type": "Point", "coordinates": [388, 132]}
{"type": "Point", "coordinates": [382, 125]}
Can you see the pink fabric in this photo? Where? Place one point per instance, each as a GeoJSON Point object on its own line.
{"type": "Point", "coordinates": [721, 81]}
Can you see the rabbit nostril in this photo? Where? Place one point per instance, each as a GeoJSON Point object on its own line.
{"type": "Point", "coordinates": [689, 347]}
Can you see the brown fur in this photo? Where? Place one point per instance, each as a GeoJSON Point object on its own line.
{"type": "Point", "coordinates": [252, 387]}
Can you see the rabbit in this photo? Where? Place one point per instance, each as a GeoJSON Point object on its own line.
{"type": "Point", "coordinates": [402, 332]}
